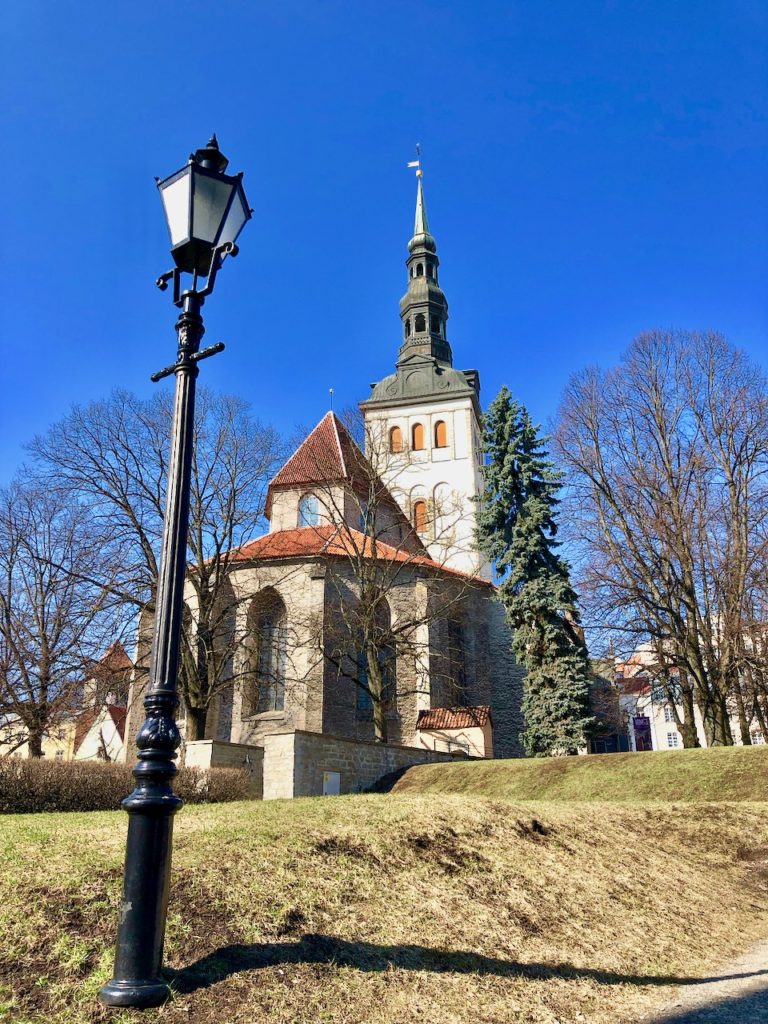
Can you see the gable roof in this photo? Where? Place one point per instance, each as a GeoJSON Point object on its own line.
{"type": "Point", "coordinates": [306, 541]}
{"type": "Point", "coordinates": [327, 455]}
{"type": "Point", "coordinates": [115, 659]}
{"type": "Point", "coordinates": [454, 718]}
{"type": "Point", "coordinates": [86, 721]}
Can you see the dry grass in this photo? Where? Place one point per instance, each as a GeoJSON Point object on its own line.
{"type": "Point", "coordinates": [718, 773]}
{"type": "Point", "coordinates": [391, 908]}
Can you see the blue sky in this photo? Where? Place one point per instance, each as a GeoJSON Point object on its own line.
{"type": "Point", "coordinates": [591, 170]}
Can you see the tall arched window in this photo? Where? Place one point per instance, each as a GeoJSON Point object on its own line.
{"type": "Point", "coordinates": [420, 270]}
{"type": "Point", "coordinates": [457, 665]}
{"type": "Point", "coordinates": [407, 328]}
{"type": "Point", "coordinates": [435, 324]}
{"type": "Point", "coordinates": [388, 665]}
{"type": "Point", "coordinates": [309, 510]}
{"type": "Point", "coordinates": [441, 434]}
{"type": "Point", "coordinates": [268, 641]}
{"type": "Point", "coordinates": [420, 323]}
{"type": "Point", "coordinates": [417, 437]}
{"type": "Point", "coordinates": [420, 515]}
{"type": "Point", "coordinates": [395, 440]}
{"type": "Point", "coordinates": [380, 640]}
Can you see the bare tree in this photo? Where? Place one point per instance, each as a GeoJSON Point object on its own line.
{"type": "Point", "coordinates": [111, 456]}
{"type": "Point", "coordinates": [666, 456]}
{"type": "Point", "coordinates": [53, 623]}
{"type": "Point", "coordinates": [388, 597]}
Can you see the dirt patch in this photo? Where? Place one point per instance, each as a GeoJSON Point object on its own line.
{"type": "Point", "coordinates": [535, 829]}
{"type": "Point", "coordinates": [345, 846]}
{"type": "Point", "coordinates": [446, 849]}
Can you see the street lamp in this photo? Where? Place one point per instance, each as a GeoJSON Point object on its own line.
{"type": "Point", "coordinates": [206, 209]}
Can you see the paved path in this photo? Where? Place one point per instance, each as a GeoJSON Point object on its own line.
{"type": "Point", "coordinates": [737, 995]}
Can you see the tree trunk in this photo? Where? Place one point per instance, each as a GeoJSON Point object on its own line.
{"type": "Point", "coordinates": [686, 723]}
{"type": "Point", "coordinates": [376, 689]}
{"type": "Point", "coordinates": [688, 729]}
{"type": "Point", "coordinates": [196, 718]}
{"type": "Point", "coordinates": [35, 741]}
{"type": "Point", "coordinates": [761, 720]}
{"type": "Point", "coordinates": [746, 738]}
{"type": "Point", "coordinates": [720, 724]}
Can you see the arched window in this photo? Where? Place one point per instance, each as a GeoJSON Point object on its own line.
{"type": "Point", "coordinates": [420, 515]}
{"type": "Point", "coordinates": [420, 270]}
{"type": "Point", "coordinates": [441, 434]}
{"type": "Point", "coordinates": [395, 440]}
{"type": "Point", "coordinates": [457, 667]}
{"type": "Point", "coordinates": [388, 665]}
{"type": "Point", "coordinates": [268, 642]}
{"type": "Point", "coordinates": [435, 324]}
{"type": "Point", "coordinates": [407, 328]}
{"type": "Point", "coordinates": [309, 510]}
{"type": "Point", "coordinates": [417, 437]}
{"type": "Point", "coordinates": [430, 270]}
{"type": "Point", "coordinates": [420, 323]}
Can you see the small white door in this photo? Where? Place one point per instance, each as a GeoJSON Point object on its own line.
{"type": "Point", "coordinates": [331, 783]}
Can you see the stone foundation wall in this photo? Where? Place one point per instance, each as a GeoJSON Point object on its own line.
{"type": "Point", "coordinates": [221, 754]}
{"type": "Point", "coordinates": [294, 763]}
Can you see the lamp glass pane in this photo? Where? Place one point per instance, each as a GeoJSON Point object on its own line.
{"type": "Point", "coordinates": [209, 203]}
{"type": "Point", "coordinates": [176, 202]}
{"type": "Point", "coordinates": [236, 218]}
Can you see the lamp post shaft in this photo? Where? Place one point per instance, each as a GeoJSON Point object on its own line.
{"type": "Point", "coordinates": [153, 804]}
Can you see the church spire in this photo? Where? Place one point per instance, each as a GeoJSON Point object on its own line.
{"type": "Point", "coordinates": [423, 308]}
{"type": "Point", "coordinates": [421, 224]}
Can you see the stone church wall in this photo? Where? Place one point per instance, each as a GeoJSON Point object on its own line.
{"type": "Point", "coordinates": [506, 678]}
{"type": "Point", "coordinates": [217, 754]}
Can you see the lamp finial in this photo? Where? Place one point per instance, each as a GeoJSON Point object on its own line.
{"type": "Point", "coordinates": [210, 156]}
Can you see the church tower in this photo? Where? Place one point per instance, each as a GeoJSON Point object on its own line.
{"type": "Point", "coordinates": [423, 421]}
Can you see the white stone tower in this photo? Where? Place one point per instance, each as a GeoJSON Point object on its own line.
{"type": "Point", "coordinates": [423, 421]}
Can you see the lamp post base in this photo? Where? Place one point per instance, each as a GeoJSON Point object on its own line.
{"type": "Point", "coordinates": [140, 994]}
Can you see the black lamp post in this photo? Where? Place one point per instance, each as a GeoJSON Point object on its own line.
{"type": "Point", "coordinates": [206, 209]}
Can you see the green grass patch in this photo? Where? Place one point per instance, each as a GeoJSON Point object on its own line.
{"type": "Point", "coordinates": [380, 909]}
{"type": "Point", "coordinates": [716, 773]}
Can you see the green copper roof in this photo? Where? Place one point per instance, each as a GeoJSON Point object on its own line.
{"type": "Point", "coordinates": [421, 377]}
{"type": "Point", "coordinates": [421, 235]}
{"type": "Point", "coordinates": [421, 224]}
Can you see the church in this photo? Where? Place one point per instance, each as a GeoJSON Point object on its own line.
{"type": "Point", "coordinates": [365, 632]}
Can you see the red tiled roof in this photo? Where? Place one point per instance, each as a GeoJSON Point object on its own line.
{"type": "Point", "coordinates": [328, 454]}
{"type": "Point", "coordinates": [86, 720]}
{"type": "Point", "coordinates": [634, 685]}
{"type": "Point", "coordinates": [334, 541]}
{"type": "Point", "coordinates": [454, 718]}
{"type": "Point", "coordinates": [115, 659]}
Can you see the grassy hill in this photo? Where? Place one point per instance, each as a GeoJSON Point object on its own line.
{"type": "Point", "coordinates": [719, 773]}
{"type": "Point", "coordinates": [381, 909]}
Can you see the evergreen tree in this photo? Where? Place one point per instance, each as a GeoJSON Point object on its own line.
{"type": "Point", "coordinates": [517, 530]}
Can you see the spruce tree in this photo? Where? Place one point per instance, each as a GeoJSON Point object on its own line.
{"type": "Point", "coordinates": [517, 530]}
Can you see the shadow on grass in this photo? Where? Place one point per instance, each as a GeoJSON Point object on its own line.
{"type": "Point", "coordinates": [366, 956]}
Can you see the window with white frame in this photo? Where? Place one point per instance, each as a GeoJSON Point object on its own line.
{"type": "Point", "coordinates": [673, 739]}
{"type": "Point", "coordinates": [757, 737]}
{"type": "Point", "coordinates": [669, 715]}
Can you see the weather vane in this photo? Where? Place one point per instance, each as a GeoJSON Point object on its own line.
{"type": "Point", "coordinates": [417, 162]}
{"type": "Point", "coordinates": [331, 392]}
